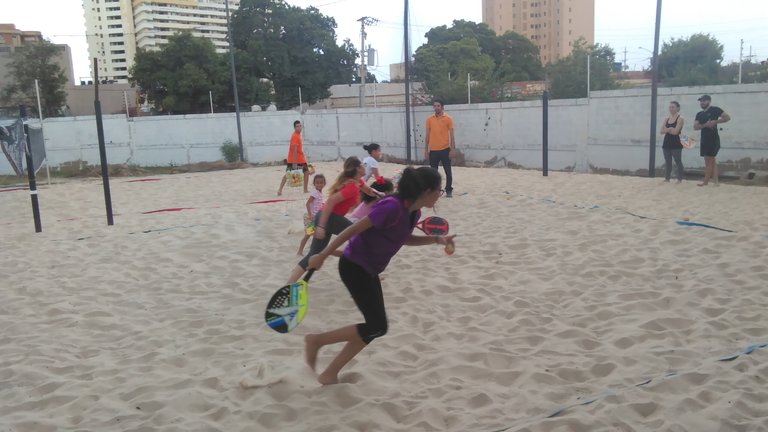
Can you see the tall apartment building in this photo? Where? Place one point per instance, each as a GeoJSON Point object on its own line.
{"type": "Point", "coordinates": [117, 28]}
{"type": "Point", "coordinates": [552, 25]}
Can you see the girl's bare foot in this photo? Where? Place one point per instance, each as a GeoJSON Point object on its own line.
{"type": "Point", "coordinates": [311, 347]}
{"type": "Point", "coordinates": [327, 379]}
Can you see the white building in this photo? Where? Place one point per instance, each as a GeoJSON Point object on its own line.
{"type": "Point", "coordinates": [110, 35]}
{"type": "Point", "coordinates": [156, 20]}
{"type": "Point", "coordinates": [117, 28]}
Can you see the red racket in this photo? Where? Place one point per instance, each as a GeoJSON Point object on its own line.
{"type": "Point", "coordinates": [433, 226]}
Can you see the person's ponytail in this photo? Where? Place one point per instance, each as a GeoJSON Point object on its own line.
{"type": "Point", "coordinates": [370, 148]}
{"type": "Point", "coordinates": [415, 181]}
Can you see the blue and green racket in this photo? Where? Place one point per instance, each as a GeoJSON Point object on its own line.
{"type": "Point", "coordinates": [288, 305]}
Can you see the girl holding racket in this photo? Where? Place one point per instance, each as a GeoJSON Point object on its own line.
{"type": "Point", "coordinates": [373, 241]}
{"type": "Point", "coordinates": [344, 195]}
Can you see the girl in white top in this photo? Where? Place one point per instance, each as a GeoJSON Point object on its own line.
{"type": "Point", "coordinates": [314, 205]}
{"type": "Point", "coordinates": [371, 163]}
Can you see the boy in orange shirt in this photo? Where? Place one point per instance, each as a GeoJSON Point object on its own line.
{"type": "Point", "coordinates": [295, 158]}
{"type": "Point", "coordinates": [440, 143]}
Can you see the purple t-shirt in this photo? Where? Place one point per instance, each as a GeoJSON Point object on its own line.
{"type": "Point", "coordinates": [392, 226]}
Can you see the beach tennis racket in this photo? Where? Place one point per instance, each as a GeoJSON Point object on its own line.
{"type": "Point", "coordinates": [288, 305]}
{"type": "Point", "coordinates": [433, 226]}
{"type": "Point", "coordinates": [687, 142]}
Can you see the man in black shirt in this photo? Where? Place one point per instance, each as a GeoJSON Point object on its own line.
{"type": "Point", "coordinates": [707, 121]}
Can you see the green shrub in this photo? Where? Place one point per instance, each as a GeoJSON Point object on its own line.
{"type": "Point", "coordinates": [230, 151]}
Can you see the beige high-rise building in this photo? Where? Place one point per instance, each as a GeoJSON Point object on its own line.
{"type": "Point", "coordinates": [552, 25]}
{"type": "Point", "coordinates": [115, 29]}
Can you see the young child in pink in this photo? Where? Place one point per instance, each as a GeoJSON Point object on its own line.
{"type": "Point", "coordinates": [314, 205]}
{"type": "Point", "coordinates": [367, 202]}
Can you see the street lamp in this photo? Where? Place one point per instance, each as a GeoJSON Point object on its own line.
{"type": "Point", "coordinates": [650, 59]}
{"type": "Point", "coordinates": [234, 83]}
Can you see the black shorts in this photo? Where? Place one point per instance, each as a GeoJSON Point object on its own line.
{"type": "Point", "coordinates": [365, 290]}
{"type": "Point", "coordinates": [709, 148]}
{"type": "Point", "coordinates": [304, 167]}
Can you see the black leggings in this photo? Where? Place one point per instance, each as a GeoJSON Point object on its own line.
{"type": "Point", "coordinates": [335, 225]}
{"type": "Point", "coordinates": [677, 155]}
{"type": "Point", "coordinates": [365, 289]}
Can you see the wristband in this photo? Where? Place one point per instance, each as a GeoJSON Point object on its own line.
{"type": "Point", "coordinates": [319, 226]}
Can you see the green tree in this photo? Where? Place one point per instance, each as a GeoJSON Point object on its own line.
{"type": "Point", "coordinates": [178, 77]}
{"type": "Point", "coordinates": [568, 76]}
{"type": "Point", "coordinates": [471, 48]}
{"type": "Point", "coordinates": [36, 62]}
{"type": "Point", "coordinates": [292, 47]}
{"type": "Point", "coordinates": [690, 61]}
{"type": "Point", "coordinates": [445, 68]}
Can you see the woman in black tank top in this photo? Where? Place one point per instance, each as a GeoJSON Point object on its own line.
{"type": "Point", "coordinates": [672, 147]}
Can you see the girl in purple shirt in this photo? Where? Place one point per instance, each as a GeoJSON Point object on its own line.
{"type": "Point", "coordinates": [373, 241]}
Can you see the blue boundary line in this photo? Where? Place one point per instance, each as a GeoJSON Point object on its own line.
{"type": "Point", "coordinates": [609, 392]}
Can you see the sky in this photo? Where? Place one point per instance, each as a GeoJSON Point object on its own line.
{"type": "Point", "coordinates": [621, 24]}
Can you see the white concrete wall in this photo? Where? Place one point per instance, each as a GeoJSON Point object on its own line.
{"type": "Point", "coordinates": [609, 130]}
{"type": "Point", "coordinates": [619, 130]}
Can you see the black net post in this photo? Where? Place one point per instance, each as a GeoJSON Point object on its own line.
{"type": "Point", "coordinates": [102, 145]}
{"type": "Point", "coordinates": [31, 172]}
{"type": "Point", "coordinates": [545, 132]}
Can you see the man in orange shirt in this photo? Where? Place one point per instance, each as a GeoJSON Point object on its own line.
{"type": "Point", "coordinates": [440, 144]}
{"type": "Point", "coordinates": [295, 158]}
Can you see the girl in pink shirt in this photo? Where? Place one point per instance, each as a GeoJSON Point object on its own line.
{"type": "Point", "coordinates": [314, 205]}
{"type": "Point", "coordinates": [367, 202]}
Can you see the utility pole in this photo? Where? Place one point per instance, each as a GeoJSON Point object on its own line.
{"type": "Point", "coordinates": [625, 59]}
{"type": "Point", "coordinates": [741, 58]}
{"type": "Point", "coordinates": [364, 21]}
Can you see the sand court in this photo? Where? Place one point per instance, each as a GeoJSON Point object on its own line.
{"type": "Point", "coordinates": [577, 295]}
